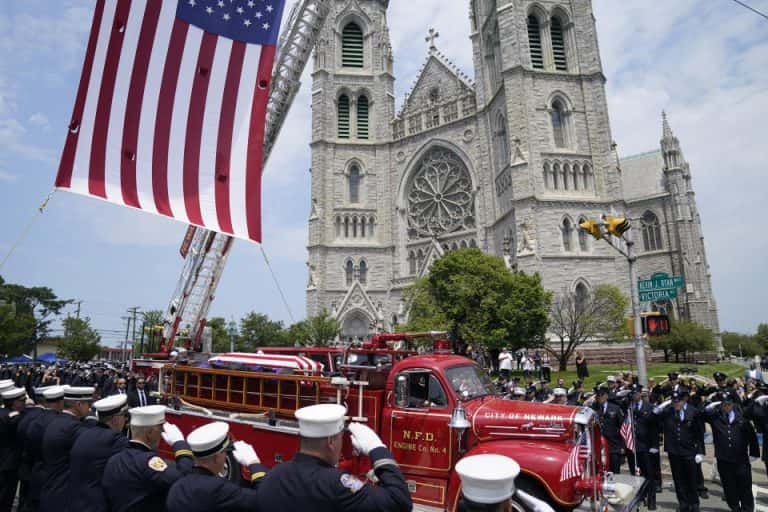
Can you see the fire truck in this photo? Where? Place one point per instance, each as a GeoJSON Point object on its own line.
{"type": "Point", "coordinates": [430, 410]}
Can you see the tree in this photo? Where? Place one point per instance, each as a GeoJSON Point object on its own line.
{"type": "Point", "coordinates": [481, 302]}
{"type": "Point", "coordinates": [741, 344]}
{"type": "Point", "coordinates": [81, 342]}
{"type": "Point", "coordinates": [423, 312]}
{"type": "Point", "coordinates": [315, 331]}
{"type": "Point", "coordinates": [578, 316]}
{"type": "Point", "coordinates": [685, 338]}
{"type": "Point", "coordinates": [16, 331]}
{"type": "Point", "coordinates": [220, 333]}
{"type": "Point", "coordinates": [257, 330]}
{"type": "Point", "coordinates": [762, 335]}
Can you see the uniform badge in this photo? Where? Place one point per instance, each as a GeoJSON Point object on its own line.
{"type": "Point", "coordinates": [351, 483]}
{"type": "Point", "coordinates": [157, 464]}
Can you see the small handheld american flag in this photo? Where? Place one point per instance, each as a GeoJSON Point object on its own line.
{"type": "Point", "coordinates": [628, 431]}
{"type": "Point", "coordinates": [574, 466]}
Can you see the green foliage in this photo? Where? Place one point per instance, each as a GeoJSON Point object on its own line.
{"type": "Point", "coordinates": [576, 320]}
{"type": "Point", "coordinates": [742, 344]}
{"type": "Point", "coordinates": [257, 330]}
{"type": "Point", "coordinates": [315, 331]}
{"type": "Point", "coordinates": [478, 300]}
{"type": "Point", "coordinates": [220, 334]}
{"type": "Point", "coordinates": [684, 339]}
{"type": "Point", "coordinates": [80, 341]}
{"type": "Point", "coordinates": [16, 331]}
{"type": "Point", "coordinates": [762, 335]}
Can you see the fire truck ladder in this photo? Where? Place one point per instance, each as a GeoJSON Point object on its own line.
{"type": "Point", "coordinates": [207, 253]}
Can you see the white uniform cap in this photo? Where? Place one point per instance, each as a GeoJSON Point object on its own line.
{"type": "Point", "coordinates": [6, 384]}
{"type": "Point", "coordinates": [41, 390]}
{"type": "Point", "coordinates": [78, 392]}
{"type": "Point", "coordinates": [324, 420]}
{"type": "Point", "coordinates": [559, 392]}
{"type": "Point", "coordinates": [518, 391]}
{"type": "Point", "coordinates": [147, 416]}
{"type": "Point", "coordinates": [487, 478]}
{"type": "Point", "coordinates": [611, 378]}
{"type": "Point", "coordinates": [111, 405]}
{"type": "Point", "coordinates": [209, 439]}
{"type": "Point", "coordinates": [54, 392]}
{"type": "Point", "coordinates": [14, 393]}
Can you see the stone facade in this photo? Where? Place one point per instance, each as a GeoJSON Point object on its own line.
{"type": "Point", "coordinates": [510, 163]}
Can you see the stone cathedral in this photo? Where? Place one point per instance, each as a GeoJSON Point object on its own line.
{"type": "Point", "coordinates": [509, 161]}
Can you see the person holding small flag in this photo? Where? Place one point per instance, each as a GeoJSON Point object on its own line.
{"type": "Point", "coordinates": [611, 419]}
{"type": "Point", "coordinates": [644, 439]}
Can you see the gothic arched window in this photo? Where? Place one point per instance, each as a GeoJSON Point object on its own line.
{"type": "Point", "coordinates": [566, 175]}
{"type": "Point", "coordinates": [576, 177]}
{"type": "Point", "coordinates": [352, 46]}
{"type": "Point", "coordinates": [557, 113]}
{"type": "Point", "coordinates": [502, 143]}
{"type": "Point", "coordinates": [363, 272]}
{"type": "Point", "coordinates": [371, 224]}
{"type": "Point", "coordinates": [583, 237]}
{"type": "Point", "coordinates": [354, 184]}
{"type": "Point", "coordinates": [651, 232]}
{"type": "Point", "coordinates": [556, 176]}
{"type": "Point", "coordinates": [362, 117]}
{"type": "Point", "coordinates": [342, 114]}
{"type": "Point", "coordinates": [558, 44]}
{"type": "Point", "coordinates": [587, 176]}
{"type": "Point", "coordinates": [534, 41]}
{"type": "Point", "coordinates": [440, 198]}
{"type": "Point", "coordinates": [567, 230]}
{"type": "Point", "coordinates": [581, 296]}
{"type": "Point", "coordinates": [349, 272]}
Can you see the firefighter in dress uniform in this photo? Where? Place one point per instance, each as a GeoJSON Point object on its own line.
{"type": "Point", "coordinates": [310, 481]}
{"type": "Point", "coordinates": [203, 489]}
{"type": "Point", "coordinates": [59, 436]}
{"type": "Point", "coordinates": [611, 418]}
{"type": "Point", "coordinates": [487, 483]}
{"type": "Point", "coordinates": [10, 448]}
{"type": "Point", "coordinates": [137, 479]}
{"type": "Point", "coordinates": [646, 439]}
{"type": "Point", "coordinates": [682, 425]}
{"type": "Point", "coordinates": [91, 452]}
{"type": "Point", "coordinates": [31, 413]}
{"type": "Point", "coordinates": [735, 442]}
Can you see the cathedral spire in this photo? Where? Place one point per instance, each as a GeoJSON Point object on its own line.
{"type": "Point", "coordinates": [670, 145]}
{"type": "Point", "coordinates": [666, 130]}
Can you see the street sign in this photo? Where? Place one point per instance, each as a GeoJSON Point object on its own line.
{"type": "Point", "coordinates": [655, 295]}
{"type": "Point", "coordinates": [661, 281]}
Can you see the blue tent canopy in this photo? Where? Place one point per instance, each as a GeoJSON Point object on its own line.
{"type": "Point", "coordinates": [19, 359]}
{"type": "Point", "coordinates": [50, 358]}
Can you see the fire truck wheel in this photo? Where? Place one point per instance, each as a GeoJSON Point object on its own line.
{"type": "Point", "coordinates": [533, 488]}
{"type": "Point", "coordinates": [232, 470]}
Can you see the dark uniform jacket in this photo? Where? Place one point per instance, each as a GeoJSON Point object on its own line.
{"type": "Point", "coordinates": [309, 483]}
{"type": "Point", "coordinates": [137, 479]}
{"type": "Point", "coordinates": [611, 418]}
{"type": "Point", "coordinates": [10, 447]}
{"type": "Point", "coordinates": [201, 491]}
{"type": "Point", "coordinates": [734, 441]}
{"type": "Point", "coordinates": [88, 459]}
{"type": "Point", "coordinates": [682, 437]}
{"type": "Point", "coordinates": [27, 460]}
{"type": "Point", "coordinates": [33, 448]}
{"type": "Point", "coordinates": [646, 426]}
{"type": "Point", "coordinates": [60, 435]}
{"type": "Point", "coordinates": [759, 414]}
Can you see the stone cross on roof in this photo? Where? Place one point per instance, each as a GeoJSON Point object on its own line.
{"type": "Point", "coordinates": [433, 34]}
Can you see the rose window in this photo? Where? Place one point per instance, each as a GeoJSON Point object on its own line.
{"type": "Point", "coordinates": [440, 198]}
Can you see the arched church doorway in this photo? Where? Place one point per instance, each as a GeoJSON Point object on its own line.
{"type": "Point", "coordinates": [355, 327]}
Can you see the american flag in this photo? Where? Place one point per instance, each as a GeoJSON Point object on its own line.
{"type": "Point", "coordinates": [628, 431]}
{"type": "Point", "coordinates": [574, 466]}
{"type": "Point", "coordinates": [170, 111]}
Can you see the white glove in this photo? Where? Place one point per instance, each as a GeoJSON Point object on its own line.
{"type": "Point", "coordinates": [752, 460]}
{"type": "Point", "coordinates": [364, 439]}
{"type": "Point", "coordinates": [623, 393]}
{"type": "Point", "coordinates": [245, 454]}
{"type": "Point", "coordinates": [711, 406]}
{"type": "Point", "coordinates": [698, 459]}
{"type": "Point", "coordinates": [761, 399]}
{"type": "Point", "coordinates": [661, 407]}
{"type": "Point", "coordinates": [171, 434]}
{"type": "Point", "coordinates": [653, 450]}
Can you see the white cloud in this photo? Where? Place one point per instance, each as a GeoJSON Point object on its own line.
{"type": "Point", "coordinates": [39, 119]}
{"type": "Point", "coordinates": [7, 176]}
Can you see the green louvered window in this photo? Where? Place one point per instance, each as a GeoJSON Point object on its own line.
{"type": "Point", "coordinates": [558, 44]}
{"type": "Point", "coordinates": [343, 116]}
{"type": "Point", "coordinates": [534, 40]}
{"type": "Point", "coordinates": [362, 117]}
{"type": "Point", "coordinates": [352, 46]}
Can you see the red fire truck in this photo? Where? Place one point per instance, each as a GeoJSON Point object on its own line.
{"type": "Point", "coordinates": [431, 410]}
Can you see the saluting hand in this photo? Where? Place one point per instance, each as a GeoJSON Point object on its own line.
{"type": "Point", "coordinates": [245, 454]}
{"type": "Point", "coordinates": [364, 439]}
{"type": "Point", "coordinates": [171, 434]}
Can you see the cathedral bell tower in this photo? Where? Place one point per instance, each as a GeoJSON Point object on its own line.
{"type": "Point", "coordinates": [352, 109]}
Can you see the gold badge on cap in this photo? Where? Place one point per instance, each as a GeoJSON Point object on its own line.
{"type": "Point", "coordinates": [157, 464]}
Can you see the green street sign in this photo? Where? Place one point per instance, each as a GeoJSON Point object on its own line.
{"type": "Point", "coordinates": [661, 281]}
{"type": "Point", "coordinates": [656, 295]}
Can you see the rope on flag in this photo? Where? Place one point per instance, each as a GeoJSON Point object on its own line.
{"type": "Point", "coordinates": [574, 466]}
{"type": "Point", "coordinates": [170, 111]}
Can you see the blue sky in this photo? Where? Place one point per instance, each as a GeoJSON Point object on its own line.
{"type": "Point", "coordinates": [704, 62]}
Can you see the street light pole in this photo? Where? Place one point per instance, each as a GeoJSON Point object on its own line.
{"type": "Point", "coordinates": [642, 371]}
{"type": "Point", "coordinates": [232, 332]}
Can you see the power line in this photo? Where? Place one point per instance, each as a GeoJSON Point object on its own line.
{"type": "Point", "coordinates": [759, 13]}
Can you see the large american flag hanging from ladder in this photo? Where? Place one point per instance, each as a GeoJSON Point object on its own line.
{"type": "Point", "coordinates": [169, 115]}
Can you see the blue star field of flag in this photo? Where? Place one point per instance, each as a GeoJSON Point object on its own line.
{"type": "Point", "coordinates": [250, 21]}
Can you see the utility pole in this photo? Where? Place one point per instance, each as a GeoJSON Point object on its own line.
{"type": "Point", "coordinates": [78, 302]}
{"type": "Point", "coordinates": [133, 312]}
{"type": "Point", "coordinates": [125, 341]}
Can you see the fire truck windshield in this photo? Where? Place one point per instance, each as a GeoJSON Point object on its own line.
{"type": "Point", "coordinates": [469, 381]}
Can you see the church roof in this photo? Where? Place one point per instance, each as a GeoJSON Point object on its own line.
{"type": "Point", "coordinates": [643, 175]}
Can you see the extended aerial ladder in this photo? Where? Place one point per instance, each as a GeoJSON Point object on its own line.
{"type": "Point", "coordinates": [205, 252]}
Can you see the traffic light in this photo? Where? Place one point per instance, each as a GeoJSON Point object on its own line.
{"type": "Point", "coordinates": [617, 226]}
{"type": "Point", "coordinates": [592, 227]}
{"type": "Point", "coordinates": [655, 324]}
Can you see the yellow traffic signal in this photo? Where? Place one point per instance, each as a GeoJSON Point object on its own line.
{"type": "Point", "coordinates": [593, 228]}
{"type": "Point", "coordinates": [617, 226]}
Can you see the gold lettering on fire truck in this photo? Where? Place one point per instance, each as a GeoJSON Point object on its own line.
{"type": "Point", "coordinates": [413, 441]}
